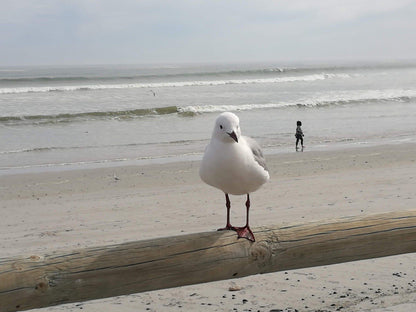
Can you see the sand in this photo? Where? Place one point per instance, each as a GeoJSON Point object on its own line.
{"type": "Point", "coordinates": [41, 212]}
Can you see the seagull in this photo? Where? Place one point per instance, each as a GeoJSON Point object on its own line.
{"type": "Point", "coordinates": [234, 164]}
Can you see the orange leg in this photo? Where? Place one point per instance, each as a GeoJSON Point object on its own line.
{"type": "Point", "coordinates": [228, 226]}
{"type": "Point", "coordinates": [245, 231]}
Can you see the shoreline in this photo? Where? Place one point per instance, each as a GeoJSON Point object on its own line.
{"type": "Point", "coordinates": [72, 209]}
{"type": "Point", "coordinates": [189, 156]}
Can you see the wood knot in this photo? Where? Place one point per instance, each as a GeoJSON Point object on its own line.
{"type": "Point", "coordinates": [42, 286]}
{"type": "Point", "coordinates": [35, 258]}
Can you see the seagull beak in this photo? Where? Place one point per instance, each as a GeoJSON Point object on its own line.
{"type": "Point", "coordinates": [233, 135]}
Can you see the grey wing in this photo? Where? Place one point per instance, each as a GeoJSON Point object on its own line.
{"type": "Point", "coordinates": [257, 152]}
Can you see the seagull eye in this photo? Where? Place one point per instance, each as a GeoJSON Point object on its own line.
{"type": "Point", "coordinates": [220, 126]}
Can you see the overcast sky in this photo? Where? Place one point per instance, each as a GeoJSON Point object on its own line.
{"type": "Point", "coordinates": [41, 32]}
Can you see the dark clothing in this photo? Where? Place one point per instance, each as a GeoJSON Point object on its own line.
{"type": "Point", "coordinates": [299, 135]}
{"type": "Point", "coordinates": [299, 132]}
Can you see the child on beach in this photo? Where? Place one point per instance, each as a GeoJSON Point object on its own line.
{"type": "Point", "coordinates": [299, 134]}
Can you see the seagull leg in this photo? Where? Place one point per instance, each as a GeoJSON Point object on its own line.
{"type": "Point", "coordinates": [228, 226]}
{"type": "Point", "coordinates": [245, 231]}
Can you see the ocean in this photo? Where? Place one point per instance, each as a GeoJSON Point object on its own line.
{"type": "Point", "coordinates": [54, 118]}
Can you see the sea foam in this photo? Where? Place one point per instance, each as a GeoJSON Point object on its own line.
{"type": "Point", "coordinates": [312, 77]}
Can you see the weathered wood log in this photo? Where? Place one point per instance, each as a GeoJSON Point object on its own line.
{"type": "Point", "coordinates": [62, 277]}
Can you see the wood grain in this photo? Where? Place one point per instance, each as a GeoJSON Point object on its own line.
{"type": "Point", "coordinates": [107, 271]}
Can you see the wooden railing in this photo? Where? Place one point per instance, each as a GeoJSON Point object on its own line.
{"type": "Point", "coordinates": [107, 271]}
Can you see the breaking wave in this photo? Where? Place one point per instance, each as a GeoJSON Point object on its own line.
{"type": "Point", "coordinates": [94, 87]}
{"type": "Point", "coordinates": [323, 100]}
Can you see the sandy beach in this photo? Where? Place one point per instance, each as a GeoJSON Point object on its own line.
{"type": "Point", "coordinates": [42, 212]}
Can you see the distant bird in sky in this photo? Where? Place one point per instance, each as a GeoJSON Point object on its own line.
{"type": "Point", "coordinates": [234, 164]}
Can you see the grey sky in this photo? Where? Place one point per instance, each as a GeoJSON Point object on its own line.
{"type": "Point", "coordinates": [143, 31]}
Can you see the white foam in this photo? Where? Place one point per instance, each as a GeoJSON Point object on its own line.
{"type": "Point", "coordinates": [339, 97]}
{"type": "Point", "coordinates": [222, 108]}
{"type": "Point", "coordinates": [331, 98]}
{"type": "Point", "coordinates": [313, 77]}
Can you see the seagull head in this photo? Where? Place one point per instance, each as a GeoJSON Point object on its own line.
{"type": "Point", "coordinates": [227, 128]}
